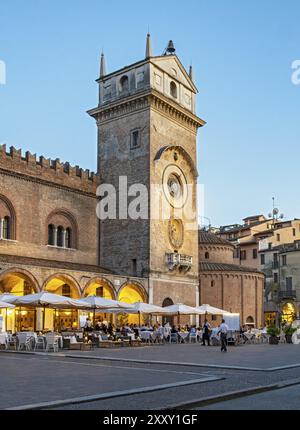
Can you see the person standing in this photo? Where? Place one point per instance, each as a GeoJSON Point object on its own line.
{"type": "Point", "coordinates": [205, 335]}
{"type": "Point", "coordinates": [223, 329]}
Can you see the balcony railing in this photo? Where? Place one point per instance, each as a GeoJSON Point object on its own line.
{"type": "Point", "coordinates": [287, 294]}
{"type": "Point", "coordinates": [181, 261]}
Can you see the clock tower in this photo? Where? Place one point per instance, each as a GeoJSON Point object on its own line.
{"type": "Point", "coordinates": [147, 128]}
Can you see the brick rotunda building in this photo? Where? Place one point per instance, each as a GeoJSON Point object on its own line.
{"type": "Point", "coordinates": [227, 285]}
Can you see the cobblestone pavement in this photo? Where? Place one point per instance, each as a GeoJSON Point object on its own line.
{"type": "Point", "coordinates": [31, 379]}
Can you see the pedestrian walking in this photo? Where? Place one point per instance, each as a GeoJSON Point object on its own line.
{"type": "Point", "coordinates": [223, 329]}
{"type": "Point", "coordinates": [205, 335]}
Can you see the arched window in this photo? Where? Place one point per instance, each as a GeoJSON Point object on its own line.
{"type": "Point", "coordinates": [206, 255]}
{"type": "Point", "coordinates": [66, 290]}
{"type": "Point", "coordinates": [212, 283]}
{"type": "Point", "coordinates": [173, 89]}
{"type": "Point", "coordinates": [250, 320]}
{"type": "Point", "coordinates": [6, 227]}
{"type": "Point", "coordinates": [124, 83]}
{"type": "Point", "coordinates": [68, 239]}
{"type": "Point", "coordinates": [51, 232]}
{"type": "Point", "coordinates": [60, 236]}
{"type": "Point", "coordinates": [167, 319]}
{"type": "Point", "coordinates": [167, 302]}
{"type": "Point", "coordinates": [62, 230]}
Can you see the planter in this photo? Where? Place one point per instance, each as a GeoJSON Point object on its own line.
{"type": "Point", "coordinates": [273, 340]}
{"type": "Point", "coordinates": [288, 338]}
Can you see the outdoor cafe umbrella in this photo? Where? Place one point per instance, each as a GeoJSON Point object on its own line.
{"type": "Point", "coordinates": [49, 300]}
{"type": "Point", "coordinates": [207, 309]}
{"type": "Point", "coordinates": [8, 298]}
{"type": "Point", "coordinates": [145, 308]}
{"type": "Point", "coordinates": [97, 302]}
{"type": "Point", "coordinates": [181, 309]}
{"type": "Point", "coordinates": [5, 305]}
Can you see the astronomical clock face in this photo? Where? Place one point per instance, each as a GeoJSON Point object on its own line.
{"type": "Point", "coordinates": [175, 186]}
{"type": "Point", "coordinates": [176, 232]}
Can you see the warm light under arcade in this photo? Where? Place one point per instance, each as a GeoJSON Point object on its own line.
{"type": "Point", "coordinates": [130, 294]}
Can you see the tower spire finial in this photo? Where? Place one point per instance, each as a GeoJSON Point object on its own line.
{"type": "Point", "coordinates": [102, 66]}
{"type": "Point", "coordinates": [191, 73]}
{"type": "Point", "coordinates": [148, 46]}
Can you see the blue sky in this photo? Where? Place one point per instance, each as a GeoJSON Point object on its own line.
{"type": "Point", "coordinates": [241, 53]}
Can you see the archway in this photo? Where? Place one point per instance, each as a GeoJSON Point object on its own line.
{"type": "Point", "coordinates": [288, 313]}
{"type": "Point", "coordinates": [102, 288]}
{"type": "Point", "coordinates": [250, 321]}
{"type": "Point", "coordinates": [61, 319]}
{"type": "Point", "coordinates": [167, 319]}
{"type": "Point", "coordinates": [20, 283]}
{"type": "Point", "coordinates": [131, 293]}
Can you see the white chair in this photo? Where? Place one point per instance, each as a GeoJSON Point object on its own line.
{"type": "Point", "coordinates": [11, 341]}
{"type": "Point", "coordinates": [39, 343]}
{"type": "Point", "coordinates": [4, 340]}
{"type": "Point", "coordinates": [282, 338]}
{"type": "Point", "coordinates": [193, 337]}
{"type": "Point", "coordinates": [174, 338]}
{"type": "Point", "coordinates": [51, 342]}
{"type": "Point", "coordinates": [24, 341]}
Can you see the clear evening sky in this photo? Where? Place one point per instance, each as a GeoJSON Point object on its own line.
{"type": "Point", "coordinates": [241, 53]}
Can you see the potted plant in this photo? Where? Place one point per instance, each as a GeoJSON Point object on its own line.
{"type": "Point", "coordinates": [273, 332]}
{"type": "Point", "coordinates": [289, 331]}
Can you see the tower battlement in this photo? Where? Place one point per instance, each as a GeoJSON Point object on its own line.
{"type": "Point", "coordinates": [46, 169]}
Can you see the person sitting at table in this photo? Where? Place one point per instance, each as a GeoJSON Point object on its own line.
{"type": "Point", "coordinates": [174, 329]}
{"type": "Point", "coordinates": [98, 325]}
{"type": "Point", "coordinates": [88, 325]}
{"type": "Point", "coordinates": [136, 330]}
{"type": "Point", "coordinates": [110, 329]}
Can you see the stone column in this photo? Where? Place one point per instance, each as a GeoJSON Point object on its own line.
{"type": "Point", "coordinates": [55, 237]}
{"type": "Point", "coordinates": [64, 239]}
{"type": "Point", "coordinates": [39, 319]}
{"type": "Point", "coordinates": [1, 228]}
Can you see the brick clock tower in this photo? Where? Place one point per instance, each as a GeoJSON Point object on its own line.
{"type": "Point", "coordinates": [147, 128]}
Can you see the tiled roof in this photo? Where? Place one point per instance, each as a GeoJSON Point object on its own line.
{"type": "Point", "coordinates": [222, 267]}
{"type": "Point", "coordinates": [211, 238]}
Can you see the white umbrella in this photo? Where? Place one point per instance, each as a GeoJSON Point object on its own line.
{"type": "Point", "coordinates": [207, 309]}
{"type": "Point", "coordinates": [8, 298]}
{"type": "Point", "coordinates": [96, 302]}
{"type": "Point", "coordinates": [50, 300]}
{"type": "Point", "coordinates": [5, 305]}
{"type": "Point", "coordinates": [181, 309]}
{"type": "Point", "coordinates": [146, 308]}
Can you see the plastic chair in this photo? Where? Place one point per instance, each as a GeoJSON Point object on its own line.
{"type": "Point", "coordinates": [51, 342]}
{"type": "Point", "coordinates": [193, 337]}
{"type": "Point", "coordinates": [174, 338]}
{"type": "Point", "coordinates": [39, 342]}
{"type": "Point", "coordinates": [24, 341]}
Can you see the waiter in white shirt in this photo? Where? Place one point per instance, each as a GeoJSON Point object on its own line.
{"type": "Point", "coordinates": [223, 329]}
